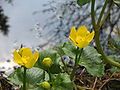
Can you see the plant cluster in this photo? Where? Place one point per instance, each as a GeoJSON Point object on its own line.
{"type": "Point", "coordinates": [59, 67]}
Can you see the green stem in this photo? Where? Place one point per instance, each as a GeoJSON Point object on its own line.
{"type": "Point", "coordinates": [97, 35]}
{"type": "Point", "coordinates": [43, 75]}
{"type": "Point", "coordinates": [65, 67]}
{"type": "Point", "coordinates": [102, 12]}
{"type": "Point", "coordinates": [74, 68]}
{"type": "Point", "coordinates": [93, 12]}
{"type": "Point", "coordinates": [75, 86]}
{"type": "Point", "coordinates": [24, 78]}
{"type": "Point", "coordinates": [106, 16]}
{"type": "Point", "coordinates": [80, 54]}
{"type": "Point", "coordinates": [76, 56]}
{"type": "Point", "coordinates": [76, 62]}
{"type": "Point", "coordinates": [100, 50]}
{"type": "Point", "coordinates": [50, 78]}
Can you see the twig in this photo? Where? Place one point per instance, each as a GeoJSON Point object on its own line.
{"type": "Point", "coordinates": [83, 88]}
{"type": "Point", "coordinates": [94, 83]}
{"type": "Point", "coordinates": [106, 81]}
{"type": "Point", "coordinates": [82, 71]}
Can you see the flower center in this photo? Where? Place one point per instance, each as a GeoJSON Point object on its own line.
{"type": "Point", "coordinates": [25, 59]}
{"type": "Point", "coordinates": [79, 38]}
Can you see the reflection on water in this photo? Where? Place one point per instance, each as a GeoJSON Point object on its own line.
{"type": "Point", "coordinates": [22, 22]}
{"type": "Point", "coordinates": [3, 22]}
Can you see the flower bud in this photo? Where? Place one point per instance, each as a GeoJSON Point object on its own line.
{"type": "Point", "coordinates": [47, 62]}
{"type": "Point", "coordinates": [45, 85]}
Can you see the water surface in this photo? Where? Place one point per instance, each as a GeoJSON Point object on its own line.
{"type": "Point", "coordinates": [22, 20]}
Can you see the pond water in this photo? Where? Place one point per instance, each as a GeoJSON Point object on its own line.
{"type": "Point", "coordinates": [26, 20]}
{"type": "Point", "coordinates": [25, 17]}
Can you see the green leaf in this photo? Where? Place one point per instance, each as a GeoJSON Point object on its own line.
{"type": "Point", "coordinates": [16, 77]}
{"type": "Point", "coordinates": [82, 2]}
{"type": "Point", "coordinates": [55, 68]}
{"type": "Point", "coordinates": [67, 49]}
{"type": "Point", "coordinates": [62, 82]}
{"type": "Point", "coordinates": [117, 59]}
{"type": "Point", "coordinates": [33, 76]}
{"type": "Point", "coordinates": [114, 44]}
{"type": "Point", "coordinates": [91, 60]}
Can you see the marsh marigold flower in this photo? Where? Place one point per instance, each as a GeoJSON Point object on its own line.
{"type": "Point", "coordinates": [45, 85]}
{"type": "Point", "coordinates": [47, 62]}
{"type": "Point", "coordinates": [81, 37]}
{"type": "Point", "coordinates": [25, 57]}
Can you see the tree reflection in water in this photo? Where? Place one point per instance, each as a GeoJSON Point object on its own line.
{"type": "Point", "coordinates": [3, 22]}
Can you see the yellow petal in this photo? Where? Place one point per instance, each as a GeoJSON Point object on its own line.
{"type": "Point", "coordinates": [26, 52]}
{"type": "Point", "coordinates": [72, 35]}
{"type": "Point", "coordinates": [30, 62]}
{"type": "Point", "coordinates": [78, 39]}
{"type": "Point", "coordinates": [17, 58]}
{"type": "Point", "coordinates": [36, 55]}
{"type": "Point", "coordinates": [90, 37]}
{"type": "Point", "coordinates": [82, 44]}
{"type": "Point", "coordinates": [82, 31]}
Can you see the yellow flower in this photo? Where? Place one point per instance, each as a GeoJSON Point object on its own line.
{"type": "Point", "coordinates": [47, 62]}
{"type": "Point", "coordinates": [45, 85]}
{"type": "Point", "coordinates": [81, 37]}
{"type": "Point", "coordinates": [25, 57]}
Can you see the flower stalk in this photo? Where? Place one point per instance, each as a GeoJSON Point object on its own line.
{"type": "Point", "coordinates": [74, 68]}
{"type": "Point", "coordinates": [77, 58]}
{"type": "Point", "coordinates": [102, 12]}
{"type": "Point", "coordinates": [24, 78]}
{"type": "Point", "coordinates": [50, 77]}
{"type": "Point", "coordinates": [97, 32]}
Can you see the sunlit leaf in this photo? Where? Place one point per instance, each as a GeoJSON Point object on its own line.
{"type": "Point", "coordinates": [33, 76]}
{"type": "Point", "coordinates": [117, 59]}
{"type": "Point", "coordinates": [91, 60]}
{"type": "Point", "coordinates": [114, 44]}
{"type": "Point", "coordinates": [55, 67]}
{"type": "Point", "coordinates": [67, 49]}
{"type": "Point", "coordinates": [62, 82]}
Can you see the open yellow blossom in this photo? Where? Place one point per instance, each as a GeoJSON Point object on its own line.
{"type": "Point", "coordinates": [81, 37]}
{"type": "Point", "coordinates": [25, 57]}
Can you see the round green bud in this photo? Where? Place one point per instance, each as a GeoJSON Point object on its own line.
{"type": "Point", "coordinates": [45, 85]}
{"type": "Point", "coordinates": [47, 62]}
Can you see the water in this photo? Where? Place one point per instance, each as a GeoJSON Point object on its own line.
{"type": "Point", "coordinates": [26, 20]}
{"type": "Point", "coordinates": [22, 21]}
